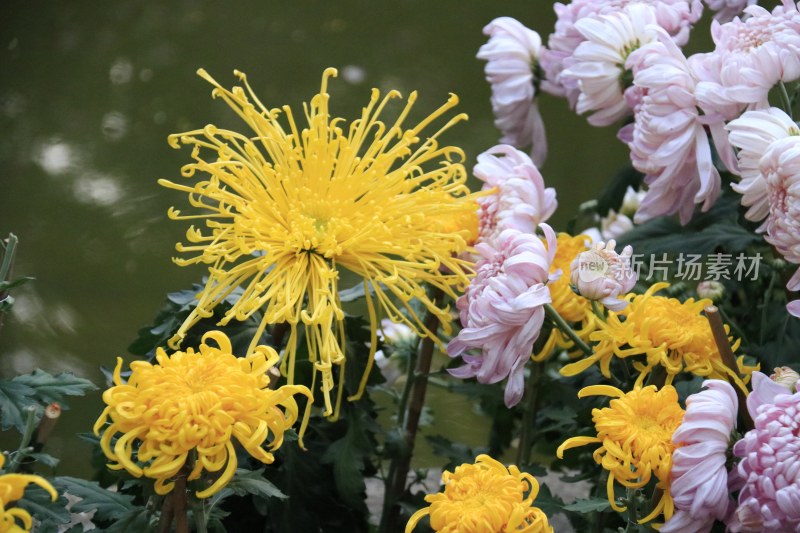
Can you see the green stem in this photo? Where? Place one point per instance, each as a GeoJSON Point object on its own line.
{"type": "Point", "coordinates": [409, 384]}
{"type": "Point", "coordinates": [8, 256]}
{"type": "Point", "coordinates": [529, 414]}
{"type": "Point", "coordinates": [566, 329]}
{"type": "Point", "coordinates": [598, 310]}
{"type": "Point", "coordinates": [633, 520]}
{"type": "Point", "coordinates": [24, 444]}
{"type": "Point", "coordinates": [786, 102]}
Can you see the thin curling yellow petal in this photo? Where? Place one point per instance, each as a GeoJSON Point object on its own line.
{"type": "Point", "coordinates": [289, 206]}
{"type": "Point", "coordinates": [12, 488]}
{"type": "Point", "coordinates": [197, 402]}
{"type": "Point", "coordinates": [484, 497]}
{"type": "Point", "coordinates": [635, 437]}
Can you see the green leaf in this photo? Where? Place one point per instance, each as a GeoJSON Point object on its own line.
{"type": "Point", "coordinates": [549, 503]}
{"type": "Point", "coordinates": [45, 459]}
{"type": "Point", "coordinates": [347, 456]}
{"type": "Point", "coordinates": [38, 503]}
{"type": "Point", "coordinates": [110, 506]}
{"type": "Point", "coordinates": [6, 285]}
{"type": "Point", "coordinates": [589, 505]}
{"type": "Point", "coordinates": [135, 520]}
{"type": "Point", "coordinates": [49, 389]}
{"type": "Point", "coordinates": [253, 482]}
{"type": "Point", "coordinates": [14, 397]}
{"type": "Point", "coordinates": [614, 193]}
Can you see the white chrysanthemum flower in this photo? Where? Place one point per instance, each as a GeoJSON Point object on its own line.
{"type": "Point", "coordinates": [752, 134]}
{"type": "Point", "coordinates": [602, 274]}
{"type": "Point", "coordinates": [676, 17]}
{"type": "Point", "coordinates": [512, 54]}
{"type": "Point", "coordinates": [599, 61]}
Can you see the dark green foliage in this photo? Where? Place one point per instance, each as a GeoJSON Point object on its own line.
{"type": "Point", "coordinates": [37, 389]}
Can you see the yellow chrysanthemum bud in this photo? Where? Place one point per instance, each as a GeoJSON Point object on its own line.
{"type": "Point", "coordinates": [196, 402]}
{"type": "Point", "coordinates": [485, 497]}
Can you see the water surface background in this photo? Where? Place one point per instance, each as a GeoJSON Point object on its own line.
{"type": "Point", "coordinates": [90, 90]}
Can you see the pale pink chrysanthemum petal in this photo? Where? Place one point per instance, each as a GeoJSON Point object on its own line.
{"type": "Point", "coordinates": [511, 54]}
{"type": "Point", "coordinates": [521, 202]}
{"type": "Point", "coordinates": [602, 274]}
{"type": "Point", "coordinates": [699, 479]}
{"type": "Point", "coordinates": [752, 134]}
{"type": "Point", "coordinates": [676, 17]}
{"type": "Point", "coordinates": [670, 145]}
{"type": "Point", "coordinates": [725, 10]}
{"type": "Point", "coordinates": [502, 310]}
{"type": "Point", "coordinates": [751, 56]}
{"type": "Point", "coordinates": [769, 469]}
{"type": "Point", "coordinates": [598, 63]}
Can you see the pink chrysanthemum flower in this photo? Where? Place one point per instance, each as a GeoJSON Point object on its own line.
{"type": "Point", "coordinates": [752, 134]}
{"type": "Point", "coordinates": [676, 17]}
{"type": "Point", "coordinates": [502, 310]}
{"type": "Point", "coordinates": [770, 461]}
{"type": "Point", "coordinates": [780, 167]}
{"type": "Point", "coordinates": [699, 483]}
{"type": "Point", "coordinates": [670, 145]}
{"type": "Point", "coordinates": [521, 202]}
{"type": "Point", "coordinates": [512, 54]}
{"type": "Point", "coordinates": [725, 10]}
{"type": "Point", "coordinates": [750, 57]}
{"type": "Point", "coordinates": [599, 61]}
{"type": "Point", "coordinates": [602, 274]}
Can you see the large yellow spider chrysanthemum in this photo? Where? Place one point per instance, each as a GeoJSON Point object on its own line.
{"type": "Point", "coordinates": [635, 434]}
{"type": "Point", "coordinates": [194, 404]}
{"type": "Point", "coordinates": [485, 497]}
{"type": "Point", "coordinates": [286, 208]}
{"type": "Point", "coordinates": [12, 488]}
{"type": "Point", "coordinates": [572, 307]}
{"type": "Point", "coordinates": [667, 332]}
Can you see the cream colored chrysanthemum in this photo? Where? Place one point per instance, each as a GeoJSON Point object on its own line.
{"type": "Point", "coordinates": [287, 209]}
{"type": "Point", "coordinates": [195, 403]}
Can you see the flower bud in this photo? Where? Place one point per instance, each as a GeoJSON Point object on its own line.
{"type": "Point", "coordinates": [713, 290]}
{"type": "Point", "coordinates": [783, 375]}
{"type": "Point", "coordinates": [602, 274]}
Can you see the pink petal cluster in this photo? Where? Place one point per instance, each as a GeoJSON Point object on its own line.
{"type": "Point", "coordinates": [699, 479]}
{"type": "Point", "coordinates": [502, 310]}
{"type": "Point", "coordinates": [725, 10]}
{"type": "Point", "coordinates": [521, 202]}
{"type": "Point", "coordinates": [750, 57]}
{"type": "Point", "coordinates": [598, 63]}
{"type": "Point", "coordinates": [600, 273]}
{"type": "Point", "coordinates": [770, 461]}
{"type": "Point", "coordinates": [512, 54]}
{"type": "Point", "coordinates": [669, 142]}
{"type": "Point", "coordinates": [676, 17]}
{"type": "Point", "coordinates": [752, 134]}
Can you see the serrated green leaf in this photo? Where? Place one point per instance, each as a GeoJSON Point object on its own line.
{"type": "Point", "coordinates": [589, 505]}
{"type": "Point", "coordinates": [45, 459]}
{"type": "Point", "coordinates": [347, 457]}
{"type": "Point", "coordinates": [110, 506]}
{"type": "Point", "coordinates": [38, 503]}
{"type": "Point", "coordinates": [6, 285]}
{"type": "Point", "coordinates": [549, 503]}
{"type": "Point", "coordinates": [14, 397]}
{"type": "Point", "coordinates": [135, 520]}
{"type": "Point", "coordinates": [49, 389]}
{"type": "Point", "coordinates": [253, 482]}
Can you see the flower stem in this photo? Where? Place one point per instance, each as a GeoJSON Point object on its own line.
{"type": "Point", "coordinates": [598, 310]}
{"type": "Point", "coordinates": [398, 471]}
{"type": "Point", "coordinates": [726, 353]}
{"type": "Point", "coordinates": [180, 503]}
{"type": "Point", "coordinates": [24, 444]}
{"type": "Point", "coordinates": [529, 414]}
{"type": "Point", "coordinates": [167, 514]}
{"type": "Point", "coordinates": [566, 329]}
{"type": "Point", "coordinates": [631, 504]}
{"type": "Point", "coordinates": [786, 102]}
{"type": "Point", "coordinates": [8, 246]}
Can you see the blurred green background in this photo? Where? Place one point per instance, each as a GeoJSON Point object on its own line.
{"type": "Point", "coordinates": [90, 90]}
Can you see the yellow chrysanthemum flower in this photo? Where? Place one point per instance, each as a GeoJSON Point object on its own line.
{"type": "Point", "coordinates": [667, 332]}
{"type": "Point", "coordinates": [195, 404]}
{"type": "Point", "coordinates": [571, 306]}
{"type": "Point", "coordinates": [485, 497]}
{"type": "Point", "coordinates": [635, 434]}
{"type": "Point", "coordinates": [285, 209]}
{"type": "Point", "coordinates": [12, 488]}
